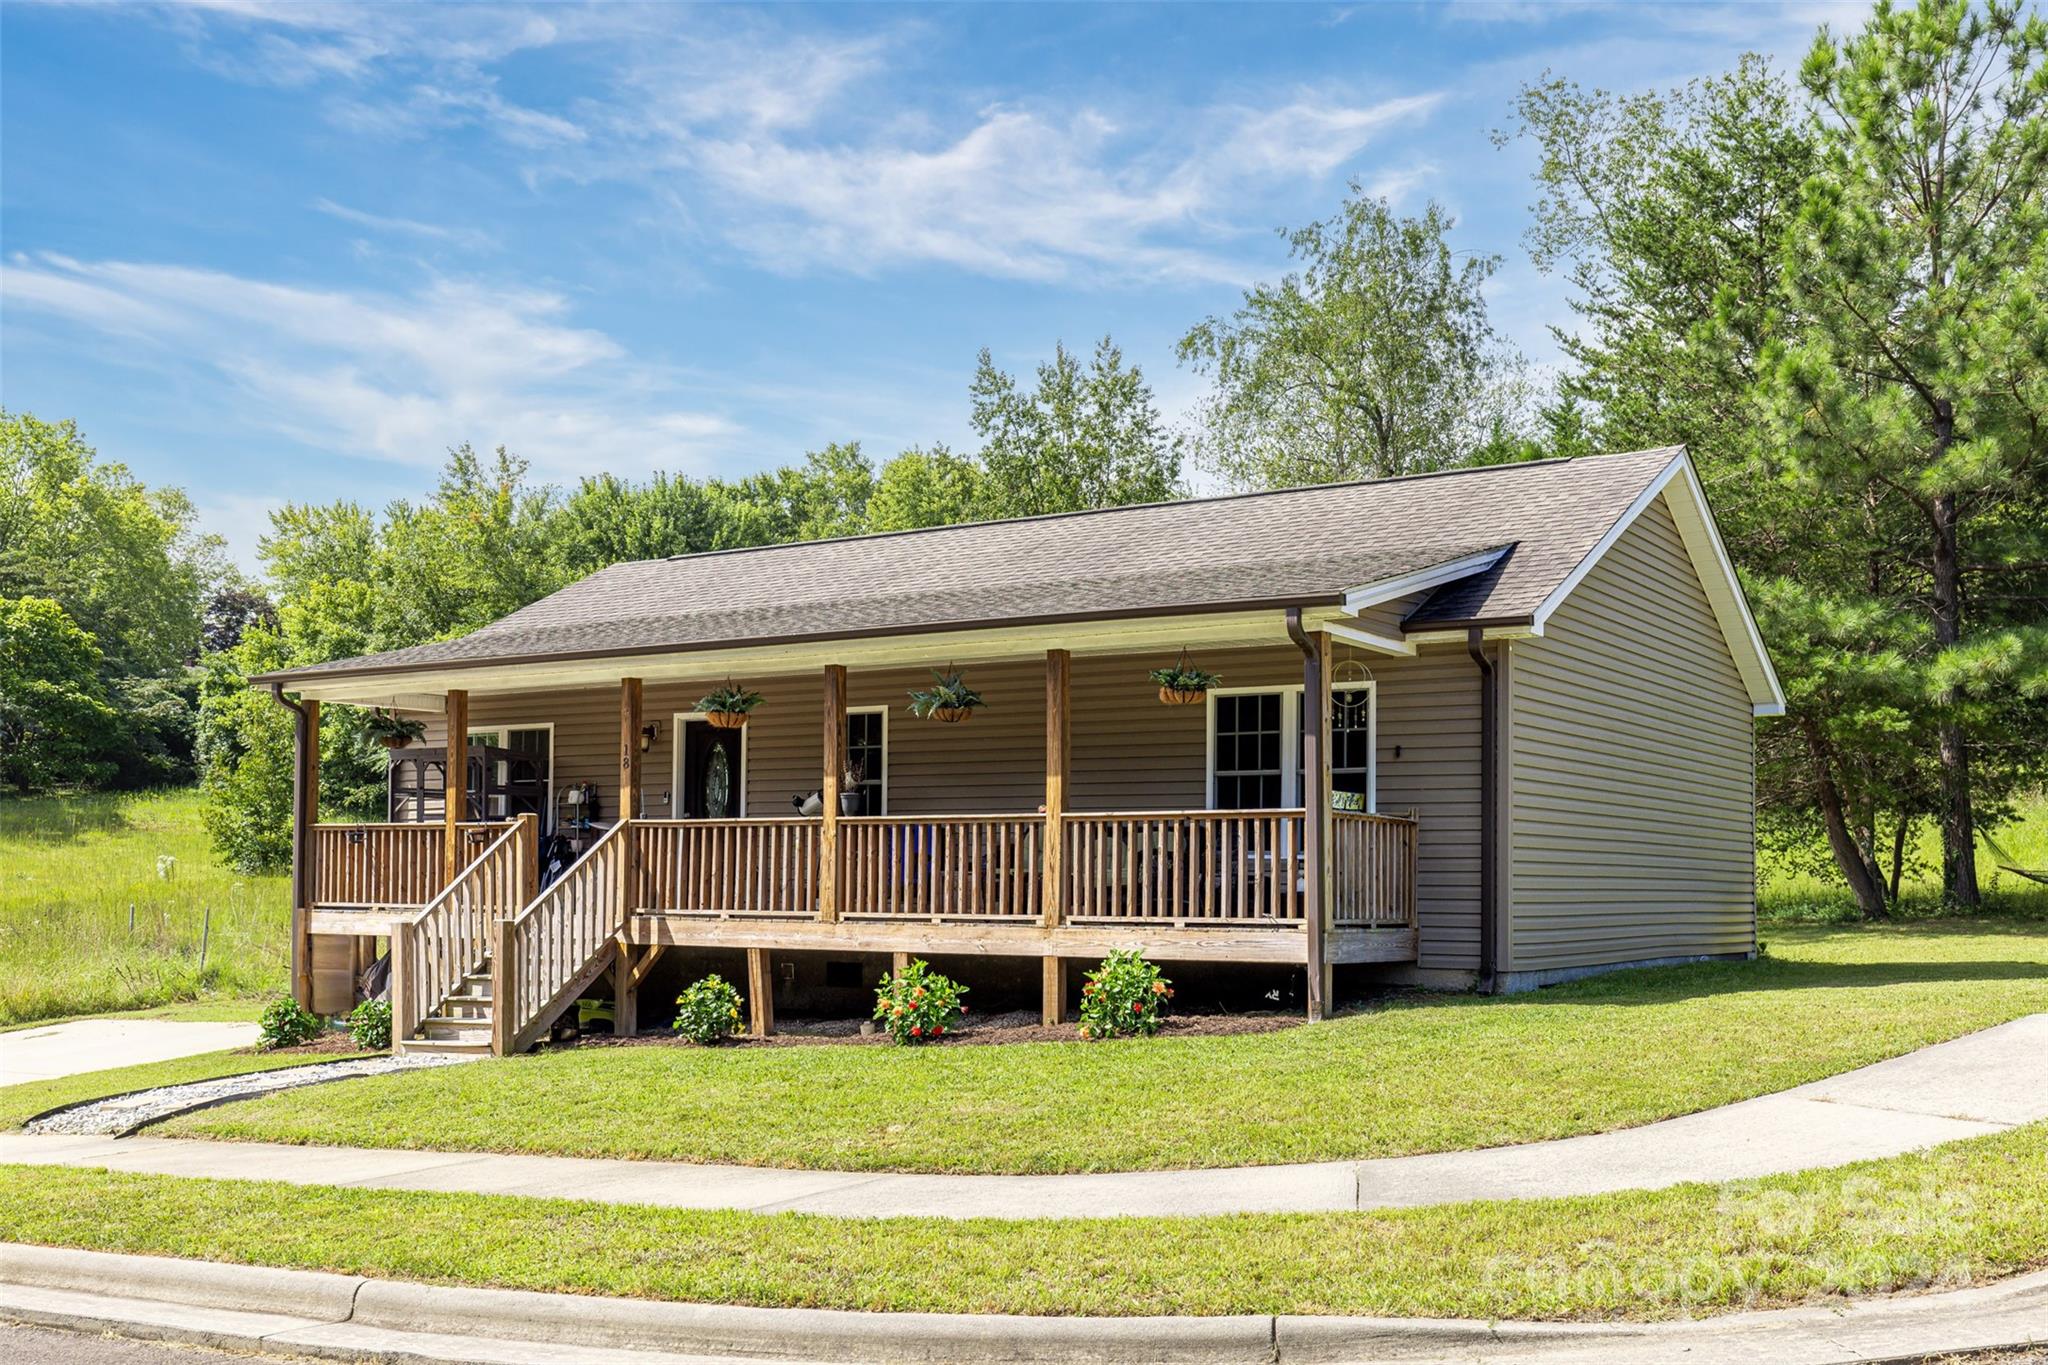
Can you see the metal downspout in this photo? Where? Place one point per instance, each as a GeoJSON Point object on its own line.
{"type": "Point", "coordinates": [1489, 817]}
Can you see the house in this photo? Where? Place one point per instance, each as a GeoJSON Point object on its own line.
{"type": "Point", "coordinates": [1530, 689]}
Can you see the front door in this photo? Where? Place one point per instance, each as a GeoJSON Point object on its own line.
{"type": "Point", "coordinates": [714, 767]}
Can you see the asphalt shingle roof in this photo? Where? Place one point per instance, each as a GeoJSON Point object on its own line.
{"type": "Point", "coordinates": [1297, 546]}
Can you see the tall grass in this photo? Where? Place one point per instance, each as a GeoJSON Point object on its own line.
{"type": "Point", "coordinates": [74, 869]}
{"type": "Point", "coordinates": [1789, 896]}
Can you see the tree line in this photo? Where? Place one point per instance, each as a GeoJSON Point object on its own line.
{"type": "Point", "coordinates": [1828, 286]}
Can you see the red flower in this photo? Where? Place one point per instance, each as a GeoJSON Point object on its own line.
{"type": "Point", "coordinates": [1137, 1008]}
{"type": "Point", "coordinates": [963, 1009]}
{"type": "Point", "coordinates": [938, 1029]}
{"type": "Point", "coordinates": [916, 1031]}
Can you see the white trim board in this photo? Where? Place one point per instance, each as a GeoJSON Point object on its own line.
{"type": "Point", "coordinates": [1679, 486]}
{"type": "Point", "coordinates": [1435, 576]}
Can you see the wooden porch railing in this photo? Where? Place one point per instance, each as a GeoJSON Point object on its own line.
{"type": "Point", "coordinates": [1188, 867]}
{"type": "Point", "coordinates": [1372, 869]}
{"type": "Point", "coordinates": [1172, 867]}
{"type": "Point", "coordinates": [559, 944]}
{"type": "Point", "coordinates": [726, 867]}
{"type": "Point", "coordinates": [364, 867]}
{"type": "Point", "coordinates": [455, 933]}
{"type": "Point", "coordinates": [945, 867]}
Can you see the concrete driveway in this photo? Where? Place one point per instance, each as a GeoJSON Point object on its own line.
{"type": "Point", "coordinates": [41, 1054]}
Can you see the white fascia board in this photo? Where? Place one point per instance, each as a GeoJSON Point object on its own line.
{"type": "Point", "coordinates": [1436, 575]}
{"type": "Point", "coordinates": [1366, 639]}
{"type": "Point", "coordinates": [1459, 634]}
{"type": "Point", "coordinates": [1680, 486]}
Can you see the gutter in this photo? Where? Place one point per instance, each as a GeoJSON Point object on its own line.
{"type": "Point", "coordinates": [1489, 815]}
{"type": "Point", "coordinates": [339, 669]}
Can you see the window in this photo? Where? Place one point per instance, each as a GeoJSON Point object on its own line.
{"type": "Point", "coordinates": [524, 784]}
{"type": "Point", "coordinates": [867, 753]}
{"type": "Point", "coordinates": [1248, 744]}
{"type": "Point", "coordinates": [1250, 731]}
{"type": "Point", "coordinates": [1352, 734]}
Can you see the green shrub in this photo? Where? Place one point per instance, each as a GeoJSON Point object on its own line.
{"type": "Point", "coordinates": [1126, 994]}
{"type": "Point", "coordinates": [369, 1024]}
{"type": "Point", "coordinates": [708, 1010]}
{"type": "Point", "coordinates": [287, 1023]}
{"type": "Point", "coordinates": [918, 1005]}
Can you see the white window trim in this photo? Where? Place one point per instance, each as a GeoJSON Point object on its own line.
{"type": "Point", "coordinates": [1290, 738]}
{"type": "Point", "coordinates": [675, 762]}
{"type": "Point", "coordinates": [547, 816]}
{"type": "Point", "coordinates": [883, 712]}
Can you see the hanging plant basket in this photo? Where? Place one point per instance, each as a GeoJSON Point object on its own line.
{"type": "Point", "coordinates": [726, 708]}
{"type": "Point", "coordinates": [948, 699]}
{"type": "Point", "coordinates": [392, 730]}
{"type": "Point", "coordinates": [1182, 684]}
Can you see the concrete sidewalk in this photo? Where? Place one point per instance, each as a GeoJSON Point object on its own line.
{"type": "Point", "coordinates": [1979, 1084]}
{"type": "Point", "coordinates": [349, 1317]}
{"type": "Point", "coordinates": [41, 1054]}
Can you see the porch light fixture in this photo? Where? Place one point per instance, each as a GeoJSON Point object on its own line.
{"type": "Point", "coordinates": [647, 734]}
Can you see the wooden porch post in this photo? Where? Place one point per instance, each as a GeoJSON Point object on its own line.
{"type": "Point", "coordinates": [834, 747]}
{"type": "Point", "coordinates": [1059, 737]}
{"type": "Point", "coordinates": [631, 696]}
{"type": "Point", "coordinates": [625, 989]}
{"type": "Point", "coordinates": [305, 815]}
{"type": "Point", "coordinates": [1315, 827]}
{"type": "Point", "coordinates": [760, 992]}
{"type": "Point", "coordinates": [455, 795]}
{"type": "Point", "coordinates": [504, 987]}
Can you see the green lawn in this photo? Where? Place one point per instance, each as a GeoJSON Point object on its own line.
{"type": "Point", "coordinates": [1957, 1214]}
{"type": "Point", "coordinates": [70, 869]}
{"type": "Point", "coordinates": [1428, 1073]}
{"type": "Point", "coordinates": [20, 1103]}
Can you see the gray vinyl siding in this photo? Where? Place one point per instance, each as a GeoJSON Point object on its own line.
{"type": "Point", "coordinates": [1130, 751]}
{"type": "Point", "coordinates": [1632, 774]}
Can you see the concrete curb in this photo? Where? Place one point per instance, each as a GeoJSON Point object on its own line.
{"type": "Point", "coordinates": [352, 1317]}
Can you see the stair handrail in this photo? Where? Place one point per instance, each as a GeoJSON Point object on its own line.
{"type": "Point", "coordinates": [453, 933]}
{"type": "Point", "coordinates": [545, 954]}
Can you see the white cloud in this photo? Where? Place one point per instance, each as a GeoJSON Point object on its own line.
{"type": "Point", "coordinates": [799, 150]}
{"type": "Point", "coordinates": [1026, 194]}
{"type": "Point", "coordinates": [470, 238]}
{"type": "Point", "coordinates": [397, 377]}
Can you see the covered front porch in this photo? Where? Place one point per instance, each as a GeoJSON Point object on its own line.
{"type": "Point", "coordinates": [1077, 814]}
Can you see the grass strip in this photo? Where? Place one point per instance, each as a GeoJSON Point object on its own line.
{"type": "Point", "coordinates": [1955, 1215]}
{"type": "Point", "coordinates": [1427, 1073]}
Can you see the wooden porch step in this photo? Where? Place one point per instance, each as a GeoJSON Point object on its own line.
{"type": "Point", "coordinates": [415, 1046]}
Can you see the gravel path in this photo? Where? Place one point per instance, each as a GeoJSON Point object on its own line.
{"type": "Point", "coordinates": [123, 1114]}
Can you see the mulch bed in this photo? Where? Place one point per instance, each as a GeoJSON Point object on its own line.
{"type": "Point", "coordinates": [1017, 1026]}
{"type": "Point", "coordinates": [330, 1043]}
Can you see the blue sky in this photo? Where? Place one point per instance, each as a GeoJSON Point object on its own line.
{"type": "Point", "coordinates": [279, 252]}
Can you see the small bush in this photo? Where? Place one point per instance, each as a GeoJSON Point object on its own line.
{"type": "Point", "coordinates": [708, 1010]}
{"type": "Point", "coordinates": [1126, 994]}
{"type": "Point", "coordinates": [369, 1024]}
{"type": "Point", "coordinates": [287, 1023]}
{"type": "Point", "coordinates": [919, 1005]}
